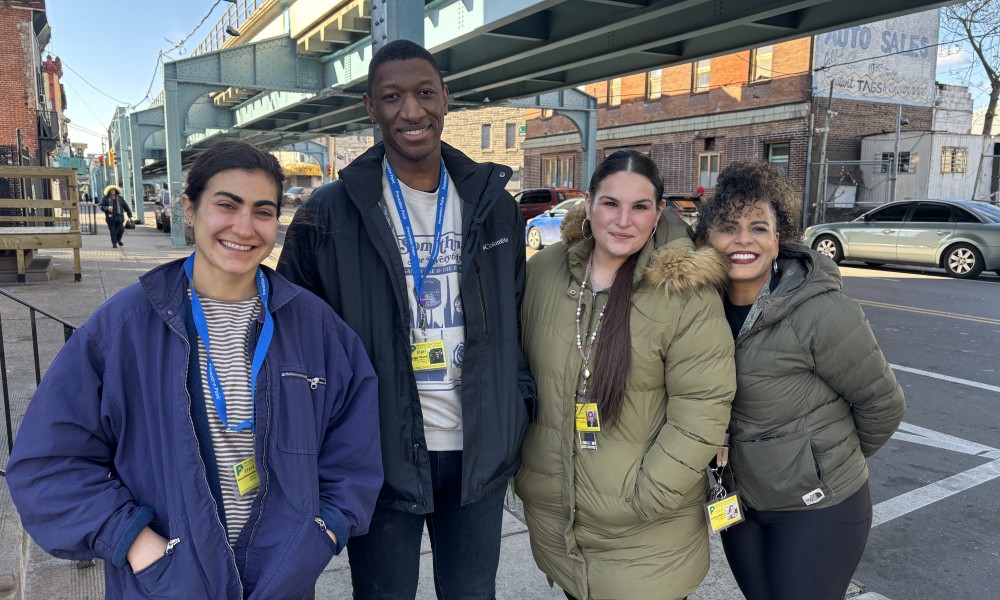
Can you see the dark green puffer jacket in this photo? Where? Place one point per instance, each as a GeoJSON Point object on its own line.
{"type": "Point", "coordinates": [814, 394]}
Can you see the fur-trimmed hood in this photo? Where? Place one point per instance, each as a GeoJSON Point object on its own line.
{"type": "Point", "coordinates": [669, 259]}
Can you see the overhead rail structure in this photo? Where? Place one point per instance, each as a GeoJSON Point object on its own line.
{"type": "Point", "coordinates": [298, 68]}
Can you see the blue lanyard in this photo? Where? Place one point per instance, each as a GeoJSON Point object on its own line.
{"type": "Point", "coordinates": [260, 351]}
{"type": "Point", "coordinates": [419, 277]}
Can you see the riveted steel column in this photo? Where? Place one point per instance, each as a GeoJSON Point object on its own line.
{"type": "Point", "coordinates": [173, 121]}
{"type": "Point", "coordinates": [397, 20]}
{"type": "Point", "coordinates": [123, 157]}
{"type": "Point", "coordinates": [136, 162]}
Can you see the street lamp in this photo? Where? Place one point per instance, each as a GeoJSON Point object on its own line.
{"type": "Point", "coordinates": [895, 153]}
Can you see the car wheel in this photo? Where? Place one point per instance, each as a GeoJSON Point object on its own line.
{"type": "Point", "coordinates": [534, 239]}
{"type": "Point", "coordinates": [828, 246]}
{"type": "Point", "coordinates": [963, 261]}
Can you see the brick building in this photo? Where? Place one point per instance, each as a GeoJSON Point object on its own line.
{"type": "Point", "coordinates": [695, 118]}
{"type": "Point", "coordinates": [24, 33]}
{"type": "Point", "coordinates": [494, 134]}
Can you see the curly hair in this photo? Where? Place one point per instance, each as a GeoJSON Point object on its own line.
{"type": "Point", "coordinates": [740, 185]}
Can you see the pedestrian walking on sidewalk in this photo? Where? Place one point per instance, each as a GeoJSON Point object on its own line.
{"type": "Point", "coordinates": [814, 397]}
{"type": "Point", "coordinates": [210, 432]}
{"type": "Point", "coordinates": [623, 318]}
{"type": "Point", "coordinates": [115, 208]}
{"type": "Point", "coordinates": [421, 250]}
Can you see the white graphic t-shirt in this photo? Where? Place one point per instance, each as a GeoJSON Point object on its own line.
{"type": "Point", "coordinates": [440, 389]}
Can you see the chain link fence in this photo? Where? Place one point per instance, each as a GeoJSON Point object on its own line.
{"type": "Point", "coordinates": [845, 189]}
{"type": "Point", "coordinates": [988, 179]}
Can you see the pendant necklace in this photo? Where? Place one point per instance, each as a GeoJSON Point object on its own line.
{"type": "Point", "coordinates": [585, 354]}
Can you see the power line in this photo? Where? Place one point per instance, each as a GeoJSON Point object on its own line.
{"type": "Point", "coordinates": [85, 130]}
{"type": "Point", "coordinates": [84, 79]}
{"type": "Point", "coordinates": [196, 27]}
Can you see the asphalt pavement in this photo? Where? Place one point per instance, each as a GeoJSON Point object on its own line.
{"type": "Point", "coordinates": [26, 572]}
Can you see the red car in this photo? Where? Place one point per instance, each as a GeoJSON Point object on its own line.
{"type": "Point", "coordinates": [535, 201]}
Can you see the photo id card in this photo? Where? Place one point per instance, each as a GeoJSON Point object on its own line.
{"type": "Point", "coordinates": [724, 512]}
{"type": "Point", "coordinates": [428, 356]}
{"type": "Point", "coordinates": [247, 479]}
{"type": "Point", "coordinates": [588, 417]}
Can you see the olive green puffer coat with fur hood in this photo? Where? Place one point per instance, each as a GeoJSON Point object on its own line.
{"type": "Point", "coordinates": [626, 521]}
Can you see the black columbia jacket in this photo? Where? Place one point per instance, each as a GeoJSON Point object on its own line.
{"type": "Point", "coordinates": [341, 247]}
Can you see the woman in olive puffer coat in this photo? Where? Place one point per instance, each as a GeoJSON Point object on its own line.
{"type": "Point", "coordinates": [624, 520]}
{"type": "Point", "coordinates": [815, 397]}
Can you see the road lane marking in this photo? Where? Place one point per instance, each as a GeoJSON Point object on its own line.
{"type": "Point", "coordinates": [915, 434]}
{"type": "Point", "coordinates": [968, 382]}
{"type": "Point", "coordinates": [939, 490]}
{"type": "Point", "coordinates": [927, 311]}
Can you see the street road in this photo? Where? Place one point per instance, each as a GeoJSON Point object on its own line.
{"type": "Point", "coordinates": [936, 484]}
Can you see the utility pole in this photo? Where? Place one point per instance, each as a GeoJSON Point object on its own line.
{"type": "Point", "coordinates": [895, 155]}
{"type": "Point", "coordinates": [821, 201]}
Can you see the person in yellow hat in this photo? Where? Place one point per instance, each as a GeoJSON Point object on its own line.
{"type": "Point", "coordinates": [114, 206]}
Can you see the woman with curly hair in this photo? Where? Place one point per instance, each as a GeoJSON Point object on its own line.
{"type": "Point", "coordinates": [814, 397]}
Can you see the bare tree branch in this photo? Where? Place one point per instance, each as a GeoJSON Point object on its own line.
{"type": "Point", "coordinates": [977, 23]}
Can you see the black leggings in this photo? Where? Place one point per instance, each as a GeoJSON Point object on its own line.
{"type": "Point", "coordinates": [791, 555]}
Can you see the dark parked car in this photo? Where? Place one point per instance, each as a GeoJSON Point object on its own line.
{"type": "Point", "coordinates": [960, 236]}
{"type": "Point", "coordinates": [161, 211]}
{"type": "Point", "coordinates": [535, 201]}
{"type": "Point", "coordinates": [544, 229]}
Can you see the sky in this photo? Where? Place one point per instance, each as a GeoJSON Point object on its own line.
{"type": "Point", "coordinates": [109, 50]}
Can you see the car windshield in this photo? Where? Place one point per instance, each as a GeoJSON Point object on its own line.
{"type": "Point", "coordinates": [565, 205]}
{"type": "Point", "coordinates": [294, 190]}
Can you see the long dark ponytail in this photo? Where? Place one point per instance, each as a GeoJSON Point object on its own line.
{"type": "Point", "coordinates": [613, 354]}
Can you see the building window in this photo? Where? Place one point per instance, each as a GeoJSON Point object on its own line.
{"type": "Point", "coordinates": [777, 155]}
{"type": "Point", "coordinates": [760, 63]}
{"type": "Point", "coordinates": [701, 73]}
{"type": "Point", "coordinates": [558, 171]}
{"type": "Point", "coordinates": [953, 160]}
{"type": "Point", "coordinates": [487, 137]}
{"type": "Point", "coordinates": [904, 162]}
{"type": "Point", "coordinates": [653, 86]}
{"type": "Point", "coordinates": [708, 170]}
{"type": "Point", "coordinates": [615, 92]}
{"type": "Point", "coordinates": [511, 136]}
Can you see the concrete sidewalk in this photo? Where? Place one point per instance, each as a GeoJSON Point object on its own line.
{"type": "Point", "coordinates": [27, 572]}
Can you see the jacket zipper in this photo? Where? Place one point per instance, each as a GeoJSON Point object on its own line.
{"type": "Point", "coordinates": [204, 469]}
{"type": "Point", "coordinates": [314, 382]}
{"type": "Point", "coordinates": [265, 481]}
{"type": "Point", "coordinates": [482, 301]}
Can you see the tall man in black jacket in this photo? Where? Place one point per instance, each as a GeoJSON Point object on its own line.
{"type": "Point", "coordinates": [421, 251]}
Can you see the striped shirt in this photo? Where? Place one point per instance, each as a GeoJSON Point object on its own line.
{"type": "Point", "coordinates": [228, 329]}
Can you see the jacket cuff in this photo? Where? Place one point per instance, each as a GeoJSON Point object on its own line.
{"type": "Point", "coordinates": [141, 518]}
{"type": "Point", "coordinates": [335, 523]}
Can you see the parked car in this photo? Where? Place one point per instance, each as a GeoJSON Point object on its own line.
{"type": "Point", "coordinates": [535, 201]}
{"type": "Point", "coordinates": [297, 195]}
{"type": "Point", "coordinates": [686, 207]}
{"type": "Point", "coordinates": [543, 230]}
{"type": "Point", "coordinates": [960, 236]}
{"type": "Point", "coordinates": [161, 210]}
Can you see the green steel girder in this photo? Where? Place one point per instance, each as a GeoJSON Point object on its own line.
{"type": "Point", "coordinates": [272, 64]}
{"type": "Point", "coordinates": [580, 108]}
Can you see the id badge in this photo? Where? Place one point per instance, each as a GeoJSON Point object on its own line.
{"type": "Point", "coordinates": [247, 478]}
{"type": "Point", "coordinates": [588, 417]}
{"type": "Point", "coordinates": [428, 356]}
{"type": "Point", "coordinates": [588, 440]}
{"type": "Point", "coordinates": [724, 512]}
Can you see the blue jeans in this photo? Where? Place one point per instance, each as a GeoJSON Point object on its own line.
{"type": "Point", "coordinates": [465, 542]}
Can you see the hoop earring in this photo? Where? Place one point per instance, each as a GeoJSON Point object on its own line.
{"type": "Point", "coordinates": [588, 231]}
{"type": "Point", "coordinates": [774, 266]}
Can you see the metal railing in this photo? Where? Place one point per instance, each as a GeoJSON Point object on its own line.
{"type": "Point", "coordinates": [68, 329]}
{"type": "Point", "coordinates": [843, 190]}
{"type": "Point", "coordinates": [236, 14]}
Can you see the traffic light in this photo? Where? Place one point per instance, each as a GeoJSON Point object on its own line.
{"type": "Point", "coordinates": [111, 157]}
{"type": "Point", "coordinates": [329, 171]}
{"type": "Point", "coordinates": [100, 161]}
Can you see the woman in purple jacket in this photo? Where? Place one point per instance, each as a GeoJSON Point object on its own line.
{"type": "Point", "coordinates": [210, 432]}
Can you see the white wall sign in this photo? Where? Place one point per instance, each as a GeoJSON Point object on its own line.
{"type": "Point", "coordinates": [893, 61]}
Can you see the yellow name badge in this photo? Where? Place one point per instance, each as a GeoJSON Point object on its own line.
{"type": "Point", "coordinates": [724, 512]}
{"type": "Point", "coordinates": [588, 418]}
{"type": "Point", "coordinates": [246, 475]}
{"type": "Point", "coordinates": [428, 356]}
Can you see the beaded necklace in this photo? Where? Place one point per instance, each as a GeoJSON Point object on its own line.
{"type": "Point", "coordinates": [585, 354]}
